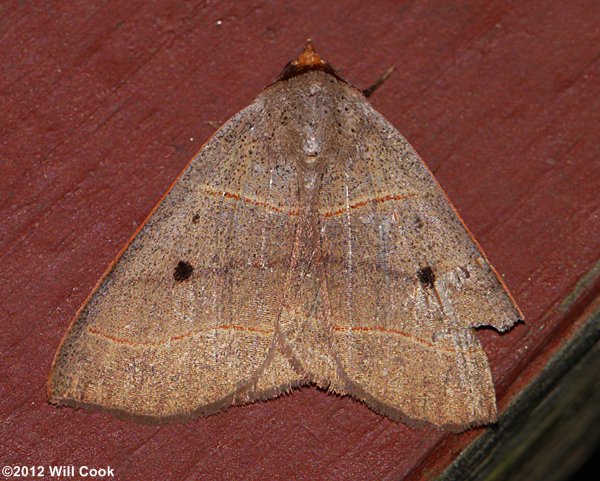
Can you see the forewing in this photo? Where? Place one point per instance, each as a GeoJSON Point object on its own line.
{"type": "Point", "coordinates": [184, 322]}
{"type": "Point", "coordinates": [406, 283]}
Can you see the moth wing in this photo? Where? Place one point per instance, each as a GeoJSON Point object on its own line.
{"type": "Point", "coordinates": [184, 321]}
{"type": "Point", "coordinates": [406, 284]}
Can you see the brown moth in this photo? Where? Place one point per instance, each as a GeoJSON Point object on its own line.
{"type": "Point", "coordinates": [306, 243]}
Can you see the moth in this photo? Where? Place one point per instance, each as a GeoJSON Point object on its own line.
{"type": "Point", "coordinates": [306, 243]}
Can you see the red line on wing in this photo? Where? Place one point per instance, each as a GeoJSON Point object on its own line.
{"type": "Point", "coordinates": [362, 203]}
{"type": "Point", "coordinates": [247, 200]}
{"type": "Point", "coordinates": [129, 342]}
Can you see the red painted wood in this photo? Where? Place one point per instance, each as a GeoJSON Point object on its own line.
{"type": "Point", "coordinates": [103, 104]}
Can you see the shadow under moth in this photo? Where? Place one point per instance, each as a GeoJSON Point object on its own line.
{"type": "Point", "coordinates": [306, 243]}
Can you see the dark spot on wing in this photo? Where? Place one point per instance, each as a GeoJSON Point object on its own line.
{"type": "Point", "coordinates": [196, 218]}
{"type": "Point", "coordinates": [183, 271]}
{"type": "Point", "coordinates": [426, 277]}
{"type": "Point", "coordinates": [465, 272]}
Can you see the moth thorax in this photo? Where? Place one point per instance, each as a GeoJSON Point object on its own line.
{"type": "Point", "coordinates": [311, 145]}
{"type": "Point", "coordinates": [310, 180]}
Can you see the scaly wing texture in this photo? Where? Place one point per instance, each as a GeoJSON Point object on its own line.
{"type": "Point", "coordinates": [306, 242]}
{"type": "Point", "coordinates": [405, 282]}
{"type": "Point", "coordinates": [185, 321]}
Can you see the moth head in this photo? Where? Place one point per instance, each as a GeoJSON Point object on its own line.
{"type": "Point", "coordinates": [309, 60]}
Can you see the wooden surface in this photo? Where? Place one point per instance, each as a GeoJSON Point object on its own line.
{"type": "Point", "coordinates": [103, 103]}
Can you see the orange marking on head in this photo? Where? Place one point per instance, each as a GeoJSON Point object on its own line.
{"type": "Point", "coordinates": [308, 58]}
